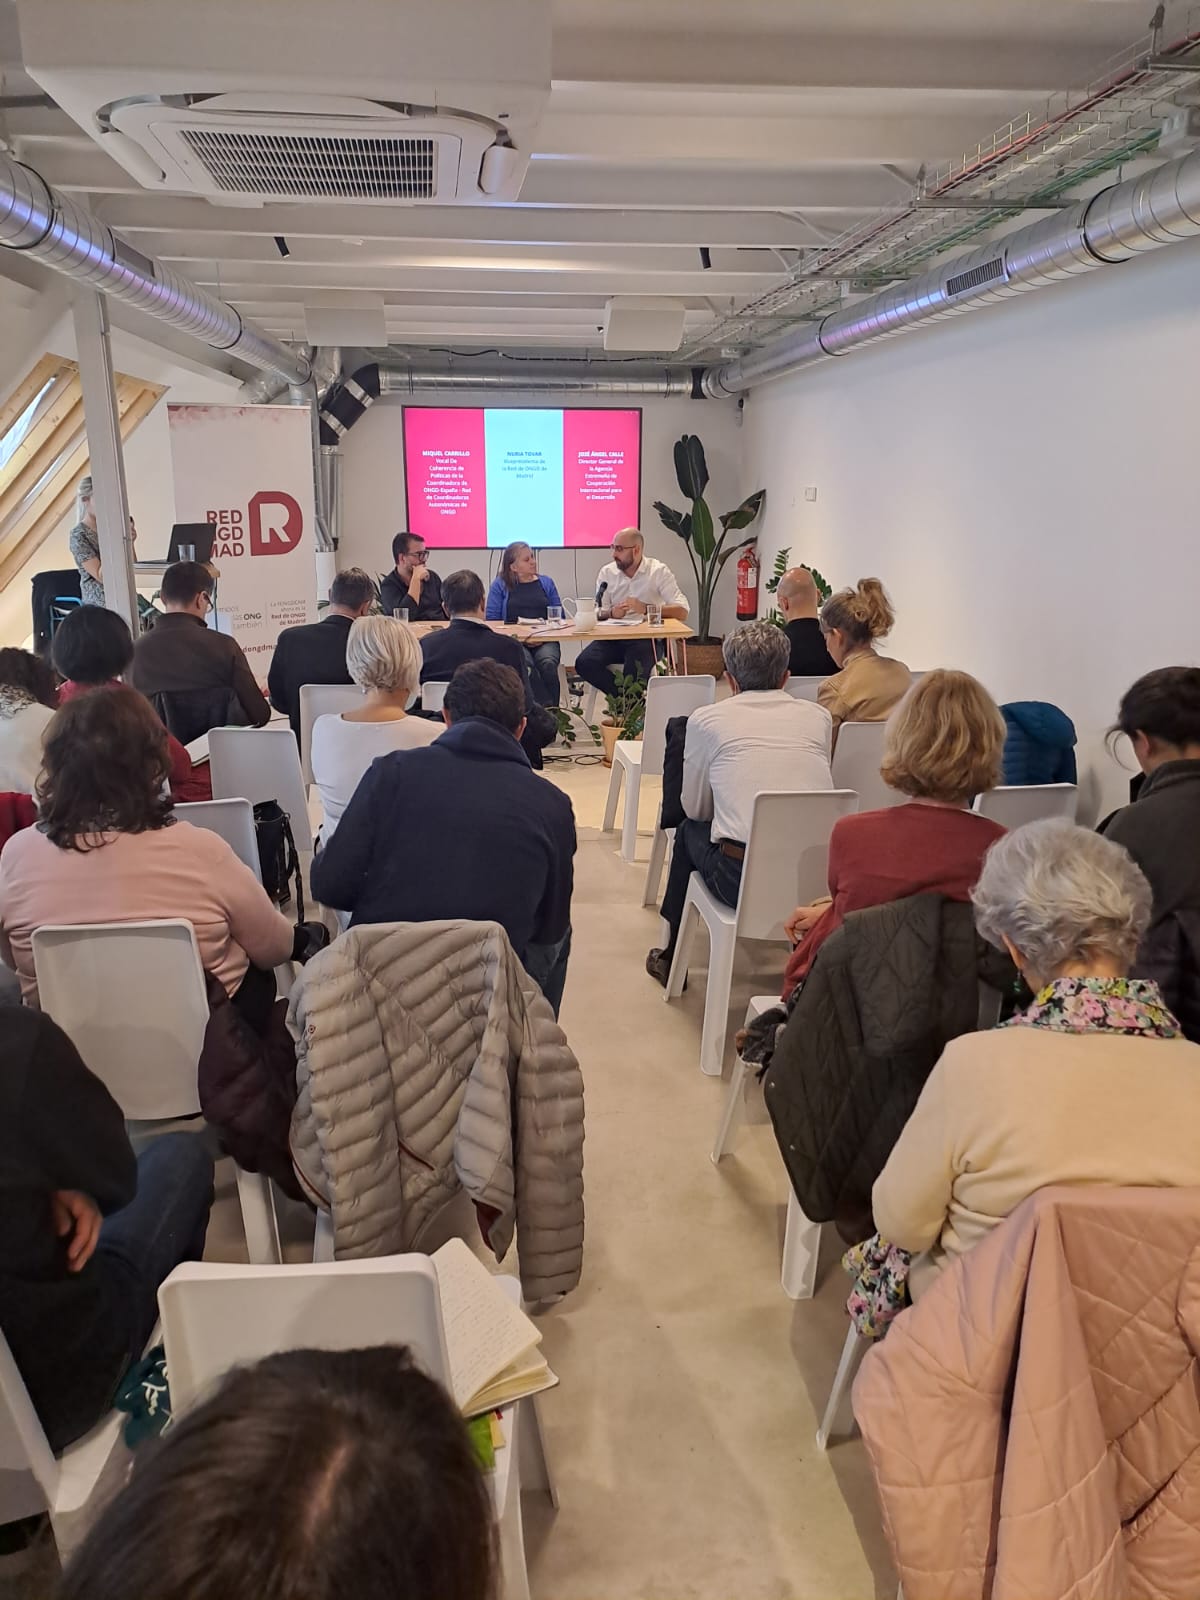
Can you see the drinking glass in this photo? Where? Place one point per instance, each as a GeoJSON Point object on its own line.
{"type": "Point", "coordinates": [187, 552]}
{"type": "Point", "coordinates": [400, 613]}
{"type": "Point", "coordinates": [653, 615]}
{"type": "Point", "coordinates": [554, 614]}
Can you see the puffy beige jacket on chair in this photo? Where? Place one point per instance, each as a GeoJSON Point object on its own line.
{"type": "Point", "coordinates": [1033, 1422]}
{"type": "Point", "coordinates": [428, 1061]}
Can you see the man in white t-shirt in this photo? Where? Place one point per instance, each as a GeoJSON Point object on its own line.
{"type": "Point", "coordinates": [623, 587]}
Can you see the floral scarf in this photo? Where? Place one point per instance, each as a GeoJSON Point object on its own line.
{"type": "Point", "coordinates": [13, 699]}
{"type": "Point", "coordinates": [1100, 1005]}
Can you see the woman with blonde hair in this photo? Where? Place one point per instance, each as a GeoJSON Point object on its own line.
{"type": "Point", "coordinates": [384, 659]}
{"type": "Point", "coordinates": [944, 744]}
{"type": "Point", "coordinates": [868, 685]}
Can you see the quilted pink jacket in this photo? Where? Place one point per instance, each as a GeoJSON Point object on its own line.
{"type": "Point", "coordinates": [1033, 1423]}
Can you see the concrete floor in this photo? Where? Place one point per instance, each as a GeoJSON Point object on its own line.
{"type": "Point", "coordinates": [683, 1431]}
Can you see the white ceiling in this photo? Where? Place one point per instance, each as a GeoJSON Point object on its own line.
{"type": "Point", "coordinates": [754, 128]}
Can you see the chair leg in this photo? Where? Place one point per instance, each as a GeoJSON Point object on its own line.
{"type": "Point", "coordinates": [258, 1219]}
{"type": "Point", "coordinates": [658, 855]}
{"type": "Point", "coordinates": [614, 791]}
{"type": "Point", "coordinates": [514, 1569]}
{"type": "Point", "coordinates": [731, 1115]}
{"type": "Point", "coordinates": [801, 1251]}
{"type": "Point", "coordinates": [323, 1237]}
{"type": "Point", "coordinates": [536, 1470]}
{"type": "Point", "coordinates": [683, 949]}
{"type": "Point", "coordinates": [853, 1351]}
{"type": "Point", "coordinates": [629, 823]}
{"type": "Point", "coordinates": [723, 945]}
{"type": "Point", "coordinates": [589, 704]}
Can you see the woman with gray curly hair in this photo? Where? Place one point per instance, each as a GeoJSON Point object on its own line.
{"type": "Point", "coordinates": [1092, 1083]}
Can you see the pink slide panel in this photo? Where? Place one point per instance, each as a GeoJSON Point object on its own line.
{"type": "Point", "coordinates": [446, 472]}
{"type": "Point", "coordinates": [600, 474]}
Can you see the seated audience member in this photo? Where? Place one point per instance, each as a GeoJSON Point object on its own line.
{"type": "Point", "coordinates": [78, 1293]}
{"type": "Point", "coordinates": [468, 638]}
{"type": "Point", "coordinates": [798, 601]}
{"type": "Point", "coordinates": [519, 592]}
{"type": "Point", "coordinates": [315, 652]}
{"type": "Point", "coordinates": [384, 658]}
{"type": "Point", "coordinates": [1093, 1083]}
{"type": "Point", "coordinates": [623, 587]}
{"type": "Point", "coordinates": [93, 649]}
{"type": "Point", "coordinates": [943, 747]}
{"type": "Point", "coordinates": [195, 677]}
{"type": "Point", "coordinates": [1160, 715]}
{"type": "Point", "coordinates": [759, 740]}
{"type": "Point", "coordinates": [312, 1475]}
{"type": "Point", "coordinates": [28, 700]}
{"type": "Point", "coordinates": [107, 848]}
{"type": "Point", "coordinates": [411, 586]}
{"type": "Point", "coordinates": [464, 829]}
{"type": "Point", "coordinates": [867, 686]}
{"type": "Point", "coordinates": [1040, 747]}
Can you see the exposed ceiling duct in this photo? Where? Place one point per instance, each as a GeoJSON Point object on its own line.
{"type": "Point", "coordinates": [1140, 214]}
{"type": "Point", "coordinates": [51, 228]}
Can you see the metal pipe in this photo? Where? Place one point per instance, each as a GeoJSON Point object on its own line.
{"type": "Point", "coordinates": [403, 377]}
{"type": "Point", "coordinates": [1143, 213]}
{"type": "Point", "coordinates": [52, 228]}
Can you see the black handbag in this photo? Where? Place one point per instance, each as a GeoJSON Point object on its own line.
{"type": "Point", "coordinates": [277, 854]}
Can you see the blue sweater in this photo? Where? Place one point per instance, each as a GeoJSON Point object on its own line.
{"type": "Point", "coordinates": [497, 600]}
{"type": "Point", "coordinates": [460, 828]}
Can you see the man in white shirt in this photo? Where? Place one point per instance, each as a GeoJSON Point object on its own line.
{"type": "Point", "coordinates": [760, 740]}
{"type": "Point", "coordinates": [623, 587]}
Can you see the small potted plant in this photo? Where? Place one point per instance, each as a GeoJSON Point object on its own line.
{"type": "Point", "coordinates": [625, 710]}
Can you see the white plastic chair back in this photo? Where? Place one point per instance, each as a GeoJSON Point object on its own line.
{"type": "Point", "coordinates": [666, 698]}
{"type": "Point", "coordinates": [787, 857]}
{"type": "Point", "coordinates": [216, 1315]}
{"type": "Point", "coordinates": [131, 997]}
{"type": "Point", "coordinates": [433, 696]}
{"type": "Point", "coordinates": [857, 756]}
{"type": "Point", "coordinates": [322, 700]}
{"type": "Point", "coordinates": [28, 1470]}
{"type": "Point", "coordinates": [233, 820]}
{"type": "Point", "coordinates": [258, 764]}
{"type": "Point", "coordinates": [1011, 805]}
{"type": "Point", "coordinates": [804, 688]}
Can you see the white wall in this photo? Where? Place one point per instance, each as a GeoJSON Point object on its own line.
{"type": "Point", "coordinates": [374, 504]}
{"type": "Point", "coordinates": [1022, 479]}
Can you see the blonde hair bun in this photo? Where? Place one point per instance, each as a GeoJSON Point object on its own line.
{"type": "Point", "coordinates": [863, 613]}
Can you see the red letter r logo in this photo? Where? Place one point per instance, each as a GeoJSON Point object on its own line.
{"type": "Point", "coordinates": [274, 536]}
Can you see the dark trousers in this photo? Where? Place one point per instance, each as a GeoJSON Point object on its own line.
{"type": "Point", "coordinates": [695, 852]}
{"type": "Point", "coordinates": [543, 672]}
{"type": "Point", "coordinates": [598, 660]}
{"type": "Point", "coordinates": [546, 964]}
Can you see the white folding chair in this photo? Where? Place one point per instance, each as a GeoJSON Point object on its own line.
{"type": "Point", "coordinates": [1013, 804]}
{"type": "Point", "coordinates": [801, 1238]}
{"type": "Point", "coordinates": [857, 756]}
{"type": "Point", "coordinates": [233, 820]}
{"type": "Point", "coordinates": [258, 764]}
{"type": "Point", "coordinates": [74, 1488]}
{"type": "Point", "coordinates": [786, 864]}
{"type": "Point", "coordinates": [665, 698]}
{"type": "Point", "coordinates": [215, 1317]}
{"type": "Point", "coordinates": [322, 700]}
{"type": "Point", "coordinates": [433, 696]}
{"type": "Point", "coordinates": [804, 688]}
{"type": "Point", "coordinates": [838, 1418]}
{"type": "Point", "coordinates": [131, 997]}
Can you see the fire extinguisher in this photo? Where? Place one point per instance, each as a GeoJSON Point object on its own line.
{"type": "Point", "coordinates": [747, 584]}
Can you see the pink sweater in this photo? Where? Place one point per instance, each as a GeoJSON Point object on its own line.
{"type": "Point", "coordinates": [180, 871]}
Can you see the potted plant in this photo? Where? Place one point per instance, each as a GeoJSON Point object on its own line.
{"type": "Point", "coordinates": [707, 551]}
{"type": "Point", "coordinates": [626, 712]}
{"type": "Point", "coordinates": [782, 562]}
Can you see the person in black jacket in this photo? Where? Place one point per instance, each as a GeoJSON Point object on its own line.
{"type": "Point", "coordinates": [462, 828]}
{"type": "Point", "coordinates": [1160, 715]}
{"type": "Point", "coordinates": [78, 1294]}
{"type": "Point", "coordinates": [797, 598]}
{"type": "Point", "coordinates": [315, 652]}
{"type": "Point", "coordinates": [411, 586]}
{"type": "Point", "coordinates": [469, 638]}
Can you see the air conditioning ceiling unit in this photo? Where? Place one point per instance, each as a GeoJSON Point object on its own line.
{"type": "Point", "coordinates": [364, 101]}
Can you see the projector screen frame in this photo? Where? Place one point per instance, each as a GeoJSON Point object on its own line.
{"type": "Point", "coordinates": [406, 407]}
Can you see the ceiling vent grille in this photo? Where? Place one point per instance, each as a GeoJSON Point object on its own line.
{"type": "Point", "coordinates": [316, 166]}
{"type": "Point", "coordinates": [989, 272]}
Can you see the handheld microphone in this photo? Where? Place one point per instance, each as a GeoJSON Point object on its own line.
{"type": "Point", "coordinates": [600, 594]}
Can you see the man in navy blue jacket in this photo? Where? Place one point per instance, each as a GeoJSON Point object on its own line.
{"type": "Point", "coordinates": [462, 828]}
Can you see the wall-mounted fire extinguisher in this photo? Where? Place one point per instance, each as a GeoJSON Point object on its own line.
{"type": "Point", "coordinates": [747, 584]}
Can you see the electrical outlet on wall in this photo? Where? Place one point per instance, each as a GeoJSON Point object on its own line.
{"type": "Point", "coordinates": [810, 493]}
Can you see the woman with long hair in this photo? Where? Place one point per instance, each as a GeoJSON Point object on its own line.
{"type": "Point", "coordinates": [518, 592]}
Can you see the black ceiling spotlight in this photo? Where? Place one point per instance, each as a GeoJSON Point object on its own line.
{"type": "Point", "coordinates": [705, 258]}
{"type": "Point", "coordinates": [281, 245]}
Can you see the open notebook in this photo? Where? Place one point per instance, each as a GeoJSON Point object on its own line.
{"type": "Point", "coordinates": [493, 1346]}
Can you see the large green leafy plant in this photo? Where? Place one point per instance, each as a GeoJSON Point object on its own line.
{"type": "Point", "coordinates": [782, 563]}
{"type": "Point", "coordinates": [707, 551]}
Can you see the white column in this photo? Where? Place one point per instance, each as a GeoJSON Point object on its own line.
{"type": "Point", "coordinates": [103, 423]}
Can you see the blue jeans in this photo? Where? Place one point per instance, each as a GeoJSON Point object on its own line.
{"type": "Point", "coordinates": [543, 675]}
{"type": "Point", "coordinates": [546, 964]}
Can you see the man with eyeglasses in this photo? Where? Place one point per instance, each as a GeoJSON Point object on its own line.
{"type": "Point", "coordinates": [411, 586]}
{"type": "Point", "coordinates": [623, 588]}
{"type": "Point", "coordinates": [195, 677]}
